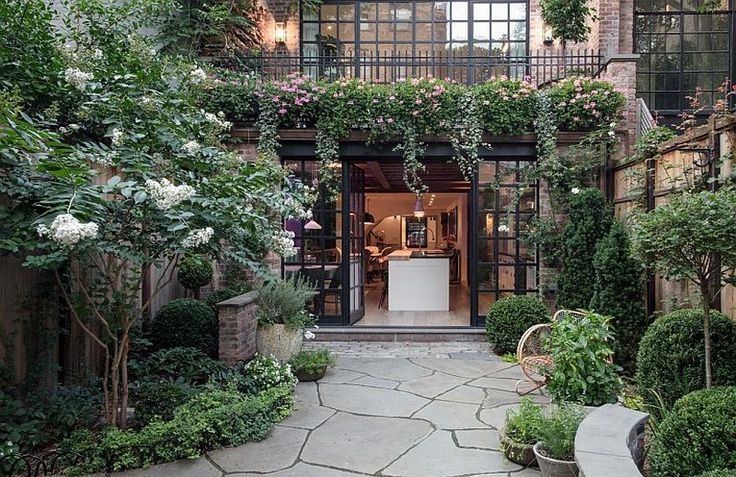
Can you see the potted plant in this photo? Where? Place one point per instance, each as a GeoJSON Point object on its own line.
{"type": "Point", "coordinates": [282, 317]}
{"type": "Point", "coordinates": [311, 365]}
{"type": "Point", "coordinates": [521, 432]}
{"type": "Point", "coordinates": [555, 451]}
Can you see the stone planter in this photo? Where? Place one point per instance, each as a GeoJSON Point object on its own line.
{"type": "Point", "coordinates": [279, 341]}
{"type": "Point", "coordinates": [522, 454]}
{"type": "Point", "coordinates": [554, 468]}
{"type": "Point", "coordinates": [305, 376]}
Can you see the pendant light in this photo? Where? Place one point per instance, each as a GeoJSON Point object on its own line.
{"type": "Point", "coordinates": [312, 225]}
{"type": "Point", "coordinates": [419, 207]}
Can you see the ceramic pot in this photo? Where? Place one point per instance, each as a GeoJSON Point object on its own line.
{"type": "Point", "coordinates": [552, 467]}
{"type": "Point", "coordinates": [517, 452]}
{"type": "Point", "coordinates": [304, 376]}
{"type": "Point", "coordinates": [279, 341]}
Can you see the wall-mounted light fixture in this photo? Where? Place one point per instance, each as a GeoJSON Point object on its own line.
{"type": "Point", "coordinates": [279, 33]}
{"type": "Point", "coordinates": [548, 36]}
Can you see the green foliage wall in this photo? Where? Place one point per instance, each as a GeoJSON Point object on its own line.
{"type": "Point", "coordinates": [619, 293]}
{"type": "Point", "coordinates": [589, 221]}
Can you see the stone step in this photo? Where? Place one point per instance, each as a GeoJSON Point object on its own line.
{"type": "Point", "coordinates": [401, 334]}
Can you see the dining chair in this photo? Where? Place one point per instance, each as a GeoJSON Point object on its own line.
{"type": "Point", "coordinates": [331, 293]}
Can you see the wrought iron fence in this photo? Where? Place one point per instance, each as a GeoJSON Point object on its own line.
{"type": "Point", "coordinates": [540, 68]}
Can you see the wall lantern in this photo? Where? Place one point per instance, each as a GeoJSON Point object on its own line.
{"type": "Point", "coordinates": [279, 33]}
{"type": "Point", "coordinates": [548, 36]}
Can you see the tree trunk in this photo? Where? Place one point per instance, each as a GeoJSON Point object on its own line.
{"type": "Point", "coordinates": [706, 330]}
{"type": "Point", "coordinates": [123, 421]}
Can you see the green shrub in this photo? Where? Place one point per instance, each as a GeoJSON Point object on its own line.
{"type": "Point", "coordinates": [20, 425]}
{"type": "Point", "coordinates": [233, 94]}
{"type": "Point", "coordinates": [698, 435]}
{"type": "Point", "coordinates": [581, 349]}
{"type": "Point", "coordinates": [157, 400]}
{"type": "Point", "coordinates": [194, 271]}
{"type": "Point", "coordinates": [284, 302]}
{"type": "Point", "coordinates": [557, 431]}
{"type": "Point", "coordinates": [185, 323]}
{"type": "Point", "coordinates": [506, 106]}
{"type": "Point", "coordinates": [648, 144]}
{"type": "Point", "coordinates": [187, 364]}
{"type": "Point", "coordinates": [311, 362]}
{"type": "Point", "coordinates": [573, 98]}
{"type": "Point", "coordinates": [522, 426]}
{"type": "Point", "coordinates": [718, 473]}
{"type": "Point", "coordinates": [70, 408]}
{"type": "Point", "coordinates": [671, 359]}
{"type": "Point", "coordinates": [589, 221]}
{"type": "Point", "coordinates": [509, 318]}
{"type": "Point", "coordinates": [618, 294]}
{"type": "Point", "coordinates": [211, 419]}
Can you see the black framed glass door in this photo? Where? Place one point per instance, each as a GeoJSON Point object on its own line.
{"type": "Point", "coordinates": [353, 261]}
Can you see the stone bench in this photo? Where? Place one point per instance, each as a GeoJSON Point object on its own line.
{"type": "Point", "coordinates": [609, 442]}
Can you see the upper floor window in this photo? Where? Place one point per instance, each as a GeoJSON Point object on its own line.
{"type": "Point", "coordinates": [683, 46]}
{"type": "Point", "coordinates": [380, 29]}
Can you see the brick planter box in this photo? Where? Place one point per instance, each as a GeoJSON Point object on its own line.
{"type": "Point", "coordinates": [237, 328]}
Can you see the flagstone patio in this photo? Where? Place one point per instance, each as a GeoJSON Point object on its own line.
{"type": "Point", "coordinates": [424, 417]}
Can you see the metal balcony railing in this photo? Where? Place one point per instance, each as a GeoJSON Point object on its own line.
{"type": "Point", "coordinates": [540, 68]}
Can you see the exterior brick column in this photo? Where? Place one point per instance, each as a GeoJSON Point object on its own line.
{"type": "Point", "coordinates": [237, 328]}
{"type": "Point", "coordinates": [621, 72]}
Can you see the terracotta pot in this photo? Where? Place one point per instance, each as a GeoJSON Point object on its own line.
{"type": "Point", "coordinates": [279, 341]}
{"type": "Point", "coordinates": [304, 376]}
{"type": "Point", "coordinates": [554, 468]}
{"type": "Point", "coordinates": [517, 452]}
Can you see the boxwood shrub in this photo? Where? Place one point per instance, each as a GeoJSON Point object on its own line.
{"type": "Point", "coordinates": [698, 435]}
{"type": "Point", "coordinates": [509, 318]}
{"type": "Point", "coordinates": [187, 323]}
{"type": "Point", "coordinates": [671, 358]}
{"type": "Point", "coordinates": [719, 473]}
{"type": "Point", "coordinates": [194, 271]}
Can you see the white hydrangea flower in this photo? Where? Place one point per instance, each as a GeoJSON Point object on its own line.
{"type": "Point", "coordinates": [575, 190]}
{"type": "Point", "coordinates": [308, 335]}
{"type": "Point", "coordinates": [218, 121]}
{"type": "Point", "coordinates": [167, 195]}
{"type": "Point", "coordinates": [116, 137]}
{"type": "Point", "coordinates": [67, 230]}
{"type": "Point", "coordinates": [191, 148]}
{"type": "Point", "coordinates": [197, 237]}
{"type": "Point", "coordinates": [282, 243]}
{"type": "Point", "coordinates": [97, 54]}
{"type": "Point", "coordinates": [77, 78]}
{"type": "Point", "coordinates": [198, 75]}
{"type": "Point", "coordinates": [503, 228]}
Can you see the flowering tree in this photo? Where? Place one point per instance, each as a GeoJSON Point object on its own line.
{"type": "Point", "coordinates": [129, 177]}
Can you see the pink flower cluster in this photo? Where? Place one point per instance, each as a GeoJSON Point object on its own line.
{"type": "Point", "coordinates": [296, 91]}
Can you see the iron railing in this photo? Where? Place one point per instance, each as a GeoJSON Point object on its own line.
{"type": "Point", "coordinates": [540, 68]}
{"type": "Point", "coordinates": [645, 120]}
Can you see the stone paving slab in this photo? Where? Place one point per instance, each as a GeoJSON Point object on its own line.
{"type": "Point", "coordinates": [420, 416]}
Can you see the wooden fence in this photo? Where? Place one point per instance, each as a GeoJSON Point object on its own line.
{"type": "Point", "coordinates": [702, 152]}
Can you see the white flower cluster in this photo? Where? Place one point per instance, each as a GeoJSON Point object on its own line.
{"type": "Point", "coordinates": [308, 335]}
{"type": "Point", "coordinates": [67, 230]}
{"type": "Point", "coordinates": [167, 195]}
{"type": "Point", "coordinates": [218, 120]}
{"type": "Point", "coordinates": [198, 75]}
{"type": "Point", "coordinates": [77, 78]}
{"type": "Point", "coordinates": [282, 243]}
{"type": "Point", "coordinates": [191, 148]}
{"type": "Point", "coordinates": [197, 237]}
{"type": "Point", "coordinates": [97, 54]}
{"type": "Point", "coordinates": [575, 190]}
{"type": "Point", "coordinates": [117, 137]}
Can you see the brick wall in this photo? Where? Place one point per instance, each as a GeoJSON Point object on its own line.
{"type": "Point", "coordinates": [237, 328]}
{"type": "Point", "coordinates": [621, 72]}
{"type": "Point", "coordinates": [281, 11]}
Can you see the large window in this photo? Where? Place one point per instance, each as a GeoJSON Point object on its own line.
{"type": "Point", "coordinates": [375, 30]}
{"type": "Point", "coordinates": [683, 46]}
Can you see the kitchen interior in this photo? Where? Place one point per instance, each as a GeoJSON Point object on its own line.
{"type": "Point", "coordinates": [416, 259]}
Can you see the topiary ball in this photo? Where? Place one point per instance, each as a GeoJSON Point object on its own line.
{"type": "Point", "coordinates": [698, 435]}
{"type": "Point", "coordinates": [509, 318]}
{"type": "Point", "coordinates": [671, 358]}
{"type": "Point", "coordinates": [186, 323]}
{"type": "Point", "coordinates": [194, 271]}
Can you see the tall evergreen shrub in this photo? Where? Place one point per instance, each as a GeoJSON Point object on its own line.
{"type": "Point", "coordinates": [589, 221]}
{"type": "Point", "coordinates": [619, 294]}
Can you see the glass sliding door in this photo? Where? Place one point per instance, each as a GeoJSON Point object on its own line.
{"type": "Point", "coordinates": [354, 234]}
{"type": "Point", "coordinates": [504, 205]}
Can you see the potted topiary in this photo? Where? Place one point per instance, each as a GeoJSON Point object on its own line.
{"type": "Point", "coordinates": [521, 432]}
{"type": "Point", "coordinates": [282, 317]}
{"type": "Point", "coordinates": [311, 365]}
{"type": "Point", "coordinates": [555, 451]}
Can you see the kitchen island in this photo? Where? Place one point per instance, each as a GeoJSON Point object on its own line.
{"type": "Point", "coordinates": [419, 280]}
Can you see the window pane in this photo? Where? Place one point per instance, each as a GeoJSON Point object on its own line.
{"type": "Point", "coordinates": [482, 11]}
{"type": "Point", "coordinates": [517, 11]}
{"type": "Point", "coordinates": [500, 11]}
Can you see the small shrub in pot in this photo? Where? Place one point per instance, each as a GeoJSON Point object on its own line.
{"type": "Point", "coordinates": [555, 451]}
{"type": "Point", "coordinates": [509, 318]}
{"type": "Point", "coordinates": [311, 365]}
{"type": "Point", "coordinates": [521, 432]}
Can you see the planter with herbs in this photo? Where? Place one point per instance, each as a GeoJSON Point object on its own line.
{"type": "Point", "coordinates": [283, 318]}
{"type": "Point", "coordinates": [521, 432]}
{"type": "Point", "coordinates": [555, 451]}
{"type": "Point", "coordinates": [311, 365]}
